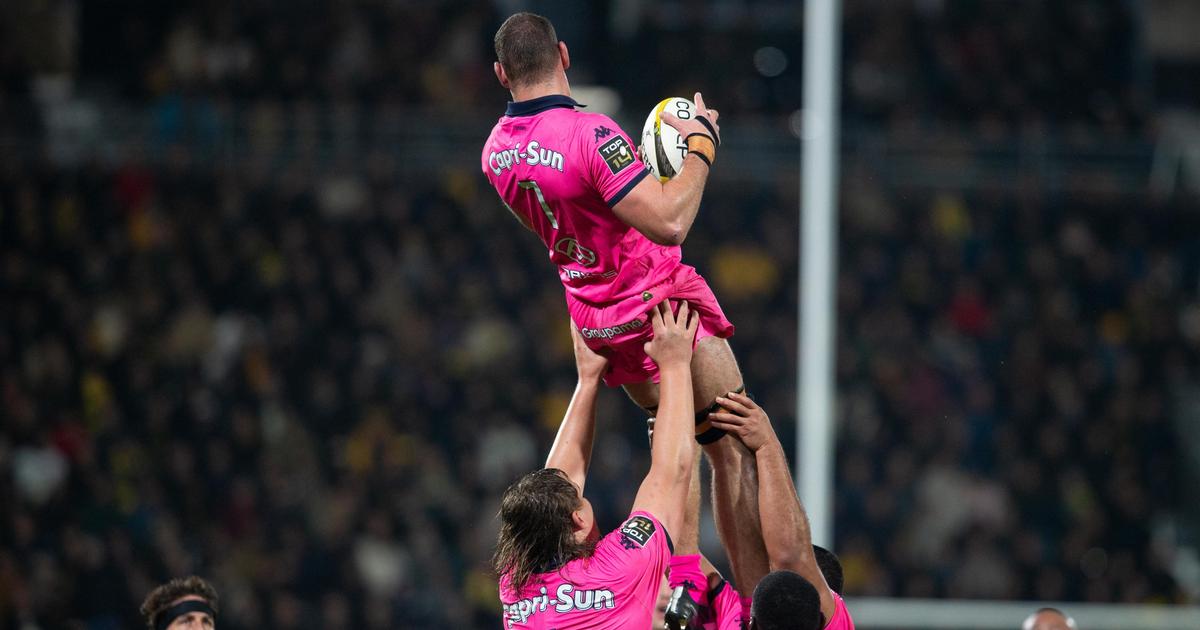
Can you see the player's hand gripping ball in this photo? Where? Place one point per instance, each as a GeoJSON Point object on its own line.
{"type": "Point", "coordinates": [673, 129]}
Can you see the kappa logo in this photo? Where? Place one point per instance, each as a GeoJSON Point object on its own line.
{"type": "Point", "coordinates": [571, 248]}
{"type": "Point", "coordinates": [602, 132]}
{"type": "Point", "coordinates": [617, 154]}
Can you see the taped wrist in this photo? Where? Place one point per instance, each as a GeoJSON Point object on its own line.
{"type": "Point", "coordinates": [702, 146]}
{"type": "Point", "coordinates": [712, 131]}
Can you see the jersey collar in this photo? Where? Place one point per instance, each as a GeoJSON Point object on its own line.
{"type": "Point", "coordinates": [540, 104]}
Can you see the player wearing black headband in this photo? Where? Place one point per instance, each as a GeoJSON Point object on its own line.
{"type": "Point", "coordinates": [182, 604]}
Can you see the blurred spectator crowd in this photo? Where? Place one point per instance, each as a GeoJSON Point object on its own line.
{"type": "Point", "coordinates": [210, 372]}
{"type": "Point", "coordinates": [312, 385]}
{"type": "Point", "coordinates": [999, 64]}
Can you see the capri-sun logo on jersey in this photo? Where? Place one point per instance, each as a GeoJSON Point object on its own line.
{"type": "Point", "coordinates": [566, 600]}
{"type": "Point", "coordinates": [534, 155]}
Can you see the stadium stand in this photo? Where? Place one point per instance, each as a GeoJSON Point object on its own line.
{"type": "Point", "coordinates": [310, 384]}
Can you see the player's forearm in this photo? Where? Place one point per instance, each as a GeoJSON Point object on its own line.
{"type": "Point", "coordinates": [683, 194]}
{"type": "Point", "coordinates": [710, 571]}
{"type": "Point", "coordinates": [786, 533]}
{"type": "Point", "coordinates": [674, 437]}
{"type": "Point", "coordinates": [688, 540]}
{"type": "Point", "coordinates": [572, 449]}
{"type": "Point", "coordinates": [785, 529]}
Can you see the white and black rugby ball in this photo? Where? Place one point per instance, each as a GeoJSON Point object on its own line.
{"type": "Point", "coordinates": [663, 149]}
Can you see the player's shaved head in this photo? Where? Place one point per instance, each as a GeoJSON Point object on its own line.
{"type": "Point", "coordinates": [784, 600]}
{"type": "Point", "coordinates": [830, 567]}
{"type": "Point", "coordinates": [1049, 619]}
{"type": "Point", "coordinates": [527, 47]}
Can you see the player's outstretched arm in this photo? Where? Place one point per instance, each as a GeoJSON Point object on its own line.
{"type": "Point", "coordinates": [687, 542]}
{"type": "Point", "coordinates": [664, 491]}
{"type": "Point", "coordinates": [664, 212]}
{"type": "Point", "coordinates": [786, 532]}
{"type": "Point", "coordinates": [572, 448]}
{"type": "Point", "coordinates": [692, 570]}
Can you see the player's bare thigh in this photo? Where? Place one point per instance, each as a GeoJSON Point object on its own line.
{"type": "Point", "coordinates": [735, 483]}
{"type": "Point", "coordinates": [714, 373]}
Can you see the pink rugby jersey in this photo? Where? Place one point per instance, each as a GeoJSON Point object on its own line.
{"type": "Point", "coordinates": [721, 607]}
{"type": "Point", "coordinates": [615, 588]}
{"type": "Point", "coordinates": [563, 170]}
{"type": "Point", "coordinates": [841, 616]}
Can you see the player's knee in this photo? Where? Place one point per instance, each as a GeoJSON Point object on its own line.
{"type": "Point", "coordinates": [706, 433]}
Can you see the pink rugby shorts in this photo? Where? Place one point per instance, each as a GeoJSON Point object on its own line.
{"type": "Point", "coordinates": [620, 331]}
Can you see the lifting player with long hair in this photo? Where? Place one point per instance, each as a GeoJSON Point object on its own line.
{"type": "Point", "coordinates": [555, 569]}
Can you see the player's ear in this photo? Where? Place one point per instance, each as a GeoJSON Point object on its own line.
{"type": "Point", "coordinates": [578, 521]}
{"type": "Point", "coordinates": [564, 55]}
{"type": "Point", "coordinates": [501, 74]}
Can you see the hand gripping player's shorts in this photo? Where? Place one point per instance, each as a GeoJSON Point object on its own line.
{"type": "Point", "coordinates": [620, 331]}
{"type": "Point", "coordinates": [722, 608]}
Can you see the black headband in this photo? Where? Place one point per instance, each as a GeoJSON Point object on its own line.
{"type": "Point", "coordinates": [165, 617]}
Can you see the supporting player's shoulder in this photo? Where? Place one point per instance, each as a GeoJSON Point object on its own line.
{"type": "Point", "coordinates": [639, 536]}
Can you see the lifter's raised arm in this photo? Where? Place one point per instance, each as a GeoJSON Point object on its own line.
{"type": "Point", "coordinates": [664, 491]}
{"type": "Point", "coordinates": [785, 531]}
{"type": "Point", "coordinates": [664, 212]}
{"type": "Point", "coordinates": [572, 448]}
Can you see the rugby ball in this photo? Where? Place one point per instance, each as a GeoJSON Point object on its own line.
{"type": "Point", "coordinates": [663, 149]}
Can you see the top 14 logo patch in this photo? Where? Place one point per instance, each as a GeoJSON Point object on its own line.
{"type": "Point", "coordinates": [637, 531]}
{"type": "Point", "coordinates": [617, 154]}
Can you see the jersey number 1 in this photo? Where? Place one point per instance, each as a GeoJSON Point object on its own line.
{"type": "Point", "coordinates": [529, 184]}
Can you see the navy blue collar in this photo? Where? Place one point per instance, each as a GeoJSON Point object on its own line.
{"type": "Point", "coordinates": [540, 104]}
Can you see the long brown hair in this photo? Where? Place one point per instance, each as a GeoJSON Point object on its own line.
{"type": "Point", "coordinates": [536, 530]}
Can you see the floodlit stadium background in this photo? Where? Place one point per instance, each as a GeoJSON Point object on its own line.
{"type": "Point", "coordinates": [264, 321]}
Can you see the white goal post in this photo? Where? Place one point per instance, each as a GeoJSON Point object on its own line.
{"type": "Point", "coordinates": [815, 412]}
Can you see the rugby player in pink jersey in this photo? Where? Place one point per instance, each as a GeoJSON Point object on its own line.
{"type": "Point", "coordinates": [556, 572]}
{"type": "Point", "coordinates": [795, 594]}
{"type": "Point", "coordinates": [575, 180]}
